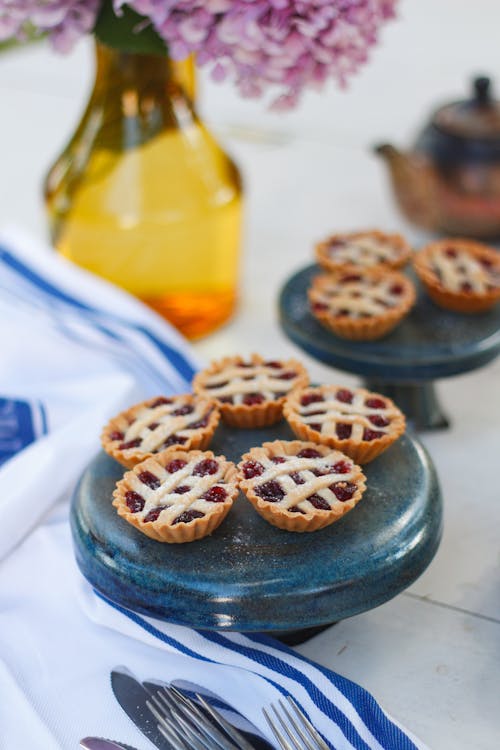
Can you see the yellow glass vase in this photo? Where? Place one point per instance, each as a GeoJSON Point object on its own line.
{"type": "Point", "coordinates": [144, 196]}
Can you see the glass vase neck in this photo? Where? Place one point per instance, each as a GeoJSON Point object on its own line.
{"type": "Point", "coordinates": [143, 72]}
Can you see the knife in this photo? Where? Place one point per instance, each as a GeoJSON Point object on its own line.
{"type": "Point", "coordinates": [99, 743]}
{"type": "Point", "coordinates": [132, 697]}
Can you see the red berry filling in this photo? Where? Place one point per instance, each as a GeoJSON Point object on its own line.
{"type": "Point", "coordinates": [250, 399]}
{"type": "Point", "coordinates": [342, 313]}
{"type": "Point", "coordinates": [375, 403]}
{"type": "Point", "coordinates": [309, 453]}
{"type": "Point", "coordinates": [341, 467]}
{"type": "Point", "coordinates": [450, 252]}
{"type": "Point", "coordinates": [215, 495]}
{"type": "Point", "coordinates": [350, 277]}
{"type": "Point", "coordinates": [207, 466]}
{"type": "Point", "coordinates": [225, 399]}
{"type": "Point", "coordinates": [187, 516]}
{"type": "Point", "coordinates": [466, 287]}
{"type": "Point", "coordinates": [181, 490]}
{"type": "Point", "coordinates": [116, 435]}
{"type": "Point", "coordinates": [176, 465]}
{"type": "Point", "coordinates": [289, 375]}
{"type": "Point", "coordinates": [174, 440]}
{"type": "Point", "coordinates": [319, 306]}
{"type": "Point", "coordinates": [134, 501]}
{"type": "Point", "coordinates": [372, 434]}
{"type": "Point", "coordinates": [198, 425]}
{"type": "Point", "coordinates": [274, 364]}
{"type": "Point", "coordinates": [396, 289]}
{"type": "Point", "coordinates": [153, 425]}
{"type": "Point", "coordinates": [154, 513]}
{"type": "Point", "coordinates": [182, 410]}
{"type": "Point", "coordinates": [278, 459]}
{"type": "Point", "coordinates": [378, 420]}
{"type": "Point", "coordinates": [343, 431]}
{"type": "Point", "coordinates": [295, 509]}
{"type": "Point", "coordinates": [297, 478]}
{"type": "Point", "coordinates": [270, 491]}
{"type": "Point", "coordinates": [311, 398]}
{"type": "Point", "coordinates": [319, 502]}
{"type": "Point", "coordinates": [160, 402]}
{"type": "Point", "coordinates": [252, 469]}
{"type": "Point", "coordinates": [344, 396]}
{"type": "Point", "coordinates": [343, 491]}
{"type": "Point", "coordinates": [130, 444]}
{"type": "Point", "coordinates": [315, 426]}
{"type": "Point", "coordinates": [149, 479]}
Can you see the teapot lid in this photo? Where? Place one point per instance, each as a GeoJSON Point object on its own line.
{"type": "Point", "coordinates": [478, 117]}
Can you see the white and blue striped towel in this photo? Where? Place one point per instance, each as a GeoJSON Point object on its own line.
{"type": "Point", "coordinates": [77, 350]}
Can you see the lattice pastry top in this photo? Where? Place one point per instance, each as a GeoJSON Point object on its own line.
{"type": "Point", "coordinates": [462, 275]}
{"type": "Point", "coordinates": [250, 392]}
{"type": "Point", "coordinates": [159, 423]}
{"type": "Point", "coordinates": [368, 249]}
{"type": "Point", "coordinates": [177, 496]}
{"type": "Point", "coordinates": [360, 423]}
{"type": "Point", "coordinates": [300, 486]}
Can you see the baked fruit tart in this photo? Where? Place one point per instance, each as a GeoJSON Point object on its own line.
{"type": "Point", "coordinates": [162, 422]}
{"type": "Point", "coordinates": [362, 305]}
{"type": "Point", "coordinates": [250, 392]}
{"type": "Point", "coordinates": [300, 486]}
{"type": "Point", "coordinates": [460, 274]}
{"type": "Point", "coordinates": [358, 422]}
{"type": "Point", "coordinates": [369, 249]}
{"type": "Point", "coordinates": [177, 496]}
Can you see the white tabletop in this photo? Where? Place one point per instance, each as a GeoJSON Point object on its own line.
{"type": "Point", "coordinates": [431, 654]}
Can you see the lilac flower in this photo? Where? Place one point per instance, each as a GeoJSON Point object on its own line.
{"type": "Point", "coordinates": [282, 46]}
{"type": "Point", "coordinates": [278, 45]}
{"type": "Point", "coordinates": [65, 20]}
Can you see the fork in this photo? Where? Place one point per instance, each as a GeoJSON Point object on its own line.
{"type": "Point", "coordinates": [186, 727]}
{"type": "Point", "coordinates": [292, 729]}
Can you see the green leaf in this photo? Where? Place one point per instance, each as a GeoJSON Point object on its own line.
{"type": "Point", "coordinates": [121, 32]}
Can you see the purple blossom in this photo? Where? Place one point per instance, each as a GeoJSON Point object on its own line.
{"type": "Point", "coordinates": [64, 20]}
{"type": "Point", "coordinates": [281, 46]}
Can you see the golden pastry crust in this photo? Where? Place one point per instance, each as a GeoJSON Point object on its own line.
{"type": "Point", "coordinates": [153, 484]}
{"type": "Point", "coordinates": [287, 467]}
{"type": "Point", "coordinates": [460, 274]}
{"type": "Point", "coordinates": [250, 392]}
{"type": "Point", "coordinates": [355, 421]}
{"type": "Point", "coordinates": [366, 249]}
{"type": "Point", "coordinates": [132, 427]}
{"type": "Point", "coordinates": [361, 306]}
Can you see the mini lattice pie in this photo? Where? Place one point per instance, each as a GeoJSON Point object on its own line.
{"type": "Point", "coordinates": [177, 496]}
{"type": "Point", "coordinates": [300, 486]}
{"type": "Point", "coordinates": [250, 393]}
{"type": "Point", "coordinates": [363, 305]}
{"type": "Point", "coordinates": [359, 423]}
{"type": "Point", "coordinates": [371, 249]}
{"type": "Point", "coordinates": [147, 428]}
{"type": "Point", "coordinates": [461, 275]}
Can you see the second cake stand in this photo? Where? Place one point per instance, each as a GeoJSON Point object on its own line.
{"type": "Point", "coordinates": [429, 344]}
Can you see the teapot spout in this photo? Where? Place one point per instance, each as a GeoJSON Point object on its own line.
{"type": "Point", "coordinates": [414, 184]}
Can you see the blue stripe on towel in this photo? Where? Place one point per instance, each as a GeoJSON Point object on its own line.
{"type": "Point", "coordinates": [385, 732]}
{"type": "Point", "coordinates": [174, 356]}
{"type": "Point", "coordinates": [382, 728]}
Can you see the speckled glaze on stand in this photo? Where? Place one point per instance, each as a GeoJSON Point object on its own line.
{"type": "Point", "coordinates": [429, 344]}
{"type": "Point", "coordinates": [250, 576]}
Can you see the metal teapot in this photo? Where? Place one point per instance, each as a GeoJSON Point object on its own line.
{"type": "Point", "coordinates": [450, 180]}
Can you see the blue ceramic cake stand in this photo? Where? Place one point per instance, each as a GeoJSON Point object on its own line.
{"type": "Point", "coordinates": [429, 344]}
{"type": "Point", "coordinates": [251, 576]}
